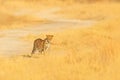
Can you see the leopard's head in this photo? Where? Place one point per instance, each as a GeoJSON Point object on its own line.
{"type": "Point", "coordinates": [49, 37]}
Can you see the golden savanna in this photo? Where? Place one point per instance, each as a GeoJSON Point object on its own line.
{"type": "Point", "coordinates": [85, 46]}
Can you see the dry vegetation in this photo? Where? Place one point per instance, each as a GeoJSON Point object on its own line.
{"type": "Point", "coordinates": [96, 11]}
{"type": "Point", "coordinates": [17, 14]}
{"type": "Point", "coordinates": [93, 53]}
{"type": "Point", "coordinates": [76, 54]}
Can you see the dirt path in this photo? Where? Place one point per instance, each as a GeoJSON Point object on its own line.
{"type": "Point", "coordinates": [11, 44]}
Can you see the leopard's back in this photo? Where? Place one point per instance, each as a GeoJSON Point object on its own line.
{"type": "Point", "coordinates": [39, 43]}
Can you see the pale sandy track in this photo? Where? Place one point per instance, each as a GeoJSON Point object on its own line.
{"type": "Point", "coordinates": [11, 44]}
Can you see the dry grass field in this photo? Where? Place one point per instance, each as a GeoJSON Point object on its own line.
{"type": "Point", "coordinates": [94, 11]}
{"type": "Point", "coordinates": [87, 53]}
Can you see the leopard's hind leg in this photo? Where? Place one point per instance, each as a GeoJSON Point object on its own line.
{"type": "Point", "coordinates": [33, 51]}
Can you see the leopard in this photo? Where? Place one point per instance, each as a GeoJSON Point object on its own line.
{"type": "Point", "coordinates": [42, 45]}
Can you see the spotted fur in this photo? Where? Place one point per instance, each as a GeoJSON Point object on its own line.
{"type": "Point", "coordinates": [42, 45]}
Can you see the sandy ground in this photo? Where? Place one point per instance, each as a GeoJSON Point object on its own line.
{"type": "Point", "coordinates": [85, 46]}
{"type": "Point", "coordinates": [11, 43]}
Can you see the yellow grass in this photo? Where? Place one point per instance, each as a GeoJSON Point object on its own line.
{"type": "Point", "coordinates": [17, 14]}
{"type": "Point", "coordinates": [96, 11]}
{"type": "Point", "coordinates": [92, 53]}
{"type": "Point", "coordinates": [75, 54]}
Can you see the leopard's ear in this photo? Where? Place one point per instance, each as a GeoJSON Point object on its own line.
{"type": "Point", "coordinates": [49, 35]}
